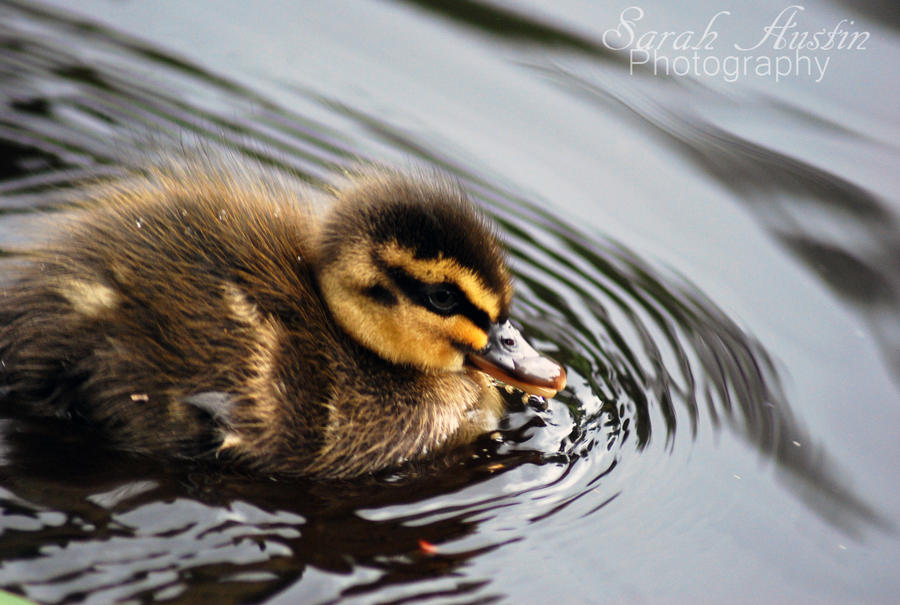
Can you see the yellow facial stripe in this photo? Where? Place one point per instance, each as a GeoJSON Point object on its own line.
{"type": "Point", "coordinates": [463, 331]}
{"type": "Point", "coordinates": [442, 269]}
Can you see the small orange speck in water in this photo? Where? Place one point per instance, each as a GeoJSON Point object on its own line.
{"type": "Point", "coordinates": [428, 548]}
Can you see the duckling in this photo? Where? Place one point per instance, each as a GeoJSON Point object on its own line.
{"type": "Point", "coordinates": [200, 311]}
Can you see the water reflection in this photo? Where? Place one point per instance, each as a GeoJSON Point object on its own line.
{"type": "Point", "coordinates": [651, 360]}
{"type": "Point", "coordinates": [80, 521]}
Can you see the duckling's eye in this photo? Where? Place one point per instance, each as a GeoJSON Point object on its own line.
{"type": "Point", "coordinates": [442, 299]}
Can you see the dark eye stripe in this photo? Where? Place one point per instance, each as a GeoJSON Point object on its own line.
{"type": "Point", "coordinates": [417, 291]}
{"type": "Point", "coordinates": [381, 295]}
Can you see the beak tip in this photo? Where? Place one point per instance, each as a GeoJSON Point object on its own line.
{"type": "Point", "coordinates": [561, 378]}
{"type": "Point", "coordinates": [555, 383]}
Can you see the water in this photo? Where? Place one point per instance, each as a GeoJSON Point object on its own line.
{"type": "Point", "coordinates": [714, 262]}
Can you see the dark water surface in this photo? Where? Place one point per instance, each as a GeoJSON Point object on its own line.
{"type": "Point", "coordinates": [717, 264]}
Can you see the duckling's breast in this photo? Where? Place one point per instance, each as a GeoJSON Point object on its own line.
{"type": "Point", "coordinates": [383, 416]}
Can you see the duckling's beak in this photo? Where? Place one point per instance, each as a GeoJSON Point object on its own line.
{"type": "Point", "coordinates": [509, 358]}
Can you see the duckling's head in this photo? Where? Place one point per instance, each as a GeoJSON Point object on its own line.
{"type": "Point", "coordinates": [413, 271]}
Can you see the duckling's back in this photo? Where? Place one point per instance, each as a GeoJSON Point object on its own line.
{"type": "Point", "coordinates": [162, 312]}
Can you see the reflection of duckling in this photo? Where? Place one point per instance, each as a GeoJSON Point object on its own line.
{"type": "Point", "coordinates": [193, 313]}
